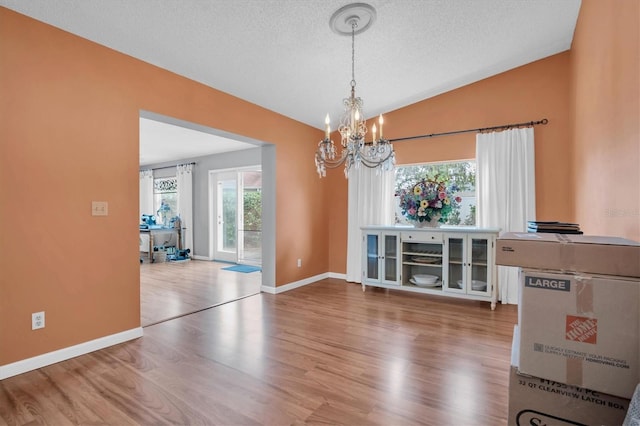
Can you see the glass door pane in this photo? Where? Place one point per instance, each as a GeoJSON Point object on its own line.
{"type": "Point", "coordinates": [456, 264]}
{"type": "Point", "coordinates": [479, 252]}
{"type": "Point", "coordinates": [250, 219]}
{"type": "Point", "coordinates": [226, 217]}
{"type": "Point", "coordinates": [373, 264]}
{"type": "Point", "coordinates": [390, 257]}
{"type": "Point", "coordinates": [229, 212]}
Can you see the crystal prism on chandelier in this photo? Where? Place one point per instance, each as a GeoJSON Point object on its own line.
{"type": "Point", "coordinates": [356, 150]}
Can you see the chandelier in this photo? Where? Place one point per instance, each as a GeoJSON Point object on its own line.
{"type": "Point", "coordinates": [356, 151]}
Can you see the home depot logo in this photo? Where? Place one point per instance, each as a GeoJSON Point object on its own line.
{"type": "Point", "coordinates": [581, 329]}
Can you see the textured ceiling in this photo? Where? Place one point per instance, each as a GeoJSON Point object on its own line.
{"type": "Point", "coordinates": [282, 54]}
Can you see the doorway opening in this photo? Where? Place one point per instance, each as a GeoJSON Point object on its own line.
{"type": "Point", "coordinates": [235, 215]}
{"type": "Point", "coordinates": [175, 288]}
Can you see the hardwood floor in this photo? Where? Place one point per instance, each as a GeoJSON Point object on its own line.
{"type": "Point", "coordinates": [172, 289]}
{"type": "Point", "coordinates": [326, 353]}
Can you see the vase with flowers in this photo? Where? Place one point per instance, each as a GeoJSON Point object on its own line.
{"type": "Point", "coordinates": [429, 202]}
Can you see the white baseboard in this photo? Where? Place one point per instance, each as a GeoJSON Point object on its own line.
{"type": "Point", "coordinates": [296, 284]}
{"type": "Point", "coordinates": [338, 276]}
{"type": "Point", "coordinates": [196, 257]}
{"type": "Point", "coordinates": [306, 281]}
{"type": "Point", "coordinates": [64, 354]}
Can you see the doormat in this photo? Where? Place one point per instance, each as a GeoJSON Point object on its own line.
{"type": "Point", "coordinates": [242, 268]}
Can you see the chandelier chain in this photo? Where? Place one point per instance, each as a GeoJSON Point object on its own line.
{"type": "Point", "coordinates": [354, 24]}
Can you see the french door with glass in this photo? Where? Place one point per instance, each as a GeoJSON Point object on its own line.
{"type": "Point", "coordinates": [236, 215]}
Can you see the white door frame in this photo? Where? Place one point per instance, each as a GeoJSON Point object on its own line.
{"type": "Point", "coordinates": [213, 211]}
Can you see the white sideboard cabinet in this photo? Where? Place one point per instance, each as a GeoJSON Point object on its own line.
{"type": "Point", "coordinates": [461, 257]}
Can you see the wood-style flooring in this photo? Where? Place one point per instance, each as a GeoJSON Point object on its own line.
{"type": "Point", "coordinates": [325, 353]}
{"type": "Point", "coordinates": [172, 289]}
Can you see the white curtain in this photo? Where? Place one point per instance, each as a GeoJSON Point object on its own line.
{"type": "Point", "coordinates": [184, 175]}
{"type": "Point", "coordinates": [146, 192]}
{"type": "Point", "coordinates": [505, 188]}
{"type": "Point", "coordinates": [370, 203]}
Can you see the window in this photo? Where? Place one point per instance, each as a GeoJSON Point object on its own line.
{"type": "Point", "coordinates": [165, 199]}
{"type": "Point", "coordinates": [462, 173]}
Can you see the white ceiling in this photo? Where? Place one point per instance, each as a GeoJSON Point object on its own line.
{"type": "Point", "coordinates": [162, 142]}
{"type": "Point", "coordinates": [282, 54]}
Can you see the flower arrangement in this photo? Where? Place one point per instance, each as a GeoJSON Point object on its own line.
{"type": "Point", "coordinates": [429, 200]}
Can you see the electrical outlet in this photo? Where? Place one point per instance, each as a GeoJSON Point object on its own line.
{"type": "Point", "coordinates": [37, 320]}
{"type": "Point", "coordinates": [299, 263]}
{"type": "Point", "coordinates": [99, 208]}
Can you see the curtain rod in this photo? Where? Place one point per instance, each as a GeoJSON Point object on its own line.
{"type": "Point", "coordinates": [171, 167]}
{"type": "Point", "coordinates": [482, 129]}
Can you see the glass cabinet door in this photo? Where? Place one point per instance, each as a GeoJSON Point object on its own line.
{"type": "Point", "coordinates": [456, 264]}
{"type": "Point", "coordinates": [478, 255]}
{"type": "Point", "coordinates": [372, 267]}
{"type": "Point", "coordinates": [381, 261]}
{"type": "Point", "coordinates": [391, 258]}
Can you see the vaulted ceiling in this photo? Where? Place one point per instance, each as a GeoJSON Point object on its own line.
{"type": "Point", "coordinates": [283, 55]}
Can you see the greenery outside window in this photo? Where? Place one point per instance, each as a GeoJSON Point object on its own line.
{"type": "Point", "coordinates": [461, 173]}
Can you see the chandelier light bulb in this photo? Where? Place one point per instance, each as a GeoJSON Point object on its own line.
{"type": "Point", "coordinates": [380, 120]}
{"type": "Point", "coordinates": [328, 128]}
{"type": "Point", "coordinates": [373, 131]}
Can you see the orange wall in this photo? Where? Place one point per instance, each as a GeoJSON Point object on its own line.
{"type": "Point", "coordinates": [69, 114]}
{"type": "Point", "coordinates": [606, 117]}
{"type": "Point", "coordinates": [532, 92]}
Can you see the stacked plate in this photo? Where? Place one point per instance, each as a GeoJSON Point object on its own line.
{"type": "Point", "coordinates": [424, 280]}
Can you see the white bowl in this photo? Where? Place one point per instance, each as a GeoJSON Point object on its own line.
{"type": "Point", "coordinates": [476, 285]}
{"type": "Point", "coordinates": [425, 279]}
{"type": "Point", "coordinates": [433, 284]}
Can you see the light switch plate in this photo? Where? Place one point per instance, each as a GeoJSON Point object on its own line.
{"type": "Point", "coordinates": [99, 208]}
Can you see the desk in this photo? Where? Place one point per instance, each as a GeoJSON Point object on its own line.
{"type": "Point", "coordinates": [162, 230]}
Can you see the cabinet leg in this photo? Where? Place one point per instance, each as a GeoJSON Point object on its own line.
{"type": "Point", "coordinates": [493, 306]}
{"type": "Point", "coordinates": [363, 287]}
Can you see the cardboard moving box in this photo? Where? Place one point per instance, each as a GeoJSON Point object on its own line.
{"type": "Point", "coordinates": [571, 253]}
{"type": "Point", "coordinates": [535, 401]}
{"type": "Point", "coordinates": [581, 330]}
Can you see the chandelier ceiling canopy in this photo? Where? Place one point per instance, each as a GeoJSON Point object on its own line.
{"type": "Point", "coordinates": [376, 152]}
